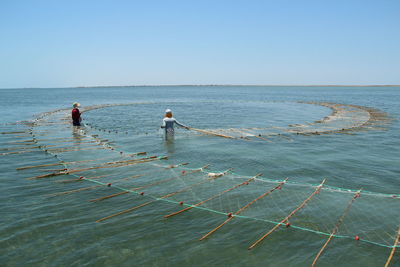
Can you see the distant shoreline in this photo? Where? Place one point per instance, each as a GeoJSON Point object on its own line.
{"type": "Point", "coordinates": [240, 85]}
{"type": "Point", "coordinates": [215, 85]}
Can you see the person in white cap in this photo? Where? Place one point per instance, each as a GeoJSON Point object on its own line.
{"type": "Point", "coordinates": [76, 114]}
{"type": "Point", "coordinates": [169, 121]}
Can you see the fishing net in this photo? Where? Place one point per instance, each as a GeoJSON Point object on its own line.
{"type": "Point", "coordinates": [100, 162]}
{"type": "Point", "coordinates": [143, 118]}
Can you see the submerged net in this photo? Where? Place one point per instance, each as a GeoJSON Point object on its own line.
{"type": "Point", "coordinates": [341, 118]}
{"type": "Point", "coordinates": [91, 164]}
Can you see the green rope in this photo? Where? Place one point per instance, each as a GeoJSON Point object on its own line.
{"type": "Point", "coordinates": [241, 216]}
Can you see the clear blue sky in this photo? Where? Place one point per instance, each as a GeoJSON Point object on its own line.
{"type": "Point", "coordinates": [72, 43]}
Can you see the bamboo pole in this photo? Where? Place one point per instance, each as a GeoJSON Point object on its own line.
{"type": "Point", "coordinates": [289, 216]}
{"type": "Point", "coordinates": [109, 196]}
{"type": "Point", "coordinates": [53, 170]}
{"type": "Point", "coordinates": [137, 188]}
{"type": "Point", "coordinates": [74, 145]}
{"type": "Point", "coordinates": [129, 161]}
{"type": "Point", "coordinates": [91, 168]}
{"type": "Point", "coordinates": [152, 201]}
{"type": "Point", "coordinates": [80, 141]}
{"type": "Point", "coordinates": [39, 166]}
{"type": "Point", "coordinates": [19, 148]}
{"type": "Point", "coordinates": [85, 188]}
{"type": "Point", "coordinates": [60, 163]}
{"type": "Point", "coordinates": [64, 138]}
{"type": "Point", "coordinates": [336, 228]}
{"type": "Point", "coordinates": [81, 179]}
{"type": "Point", "coordinates": [21, 142]}
{"type": "Point", "coordinates": [19, 152]}
{"type": "Point", "coordinates": [393, 249]}
{"type": "Point", "coordinates": [124, 211]}
{"type": "Point", "coordinates": [125, 192]}
{"type": "Point", "coordinates": [14, 132]}
{"type": "Point", "coordinates": [211, 133]}
{"type": "Point", "coordinates": [22, 136]}
{"type": "Point", "coordinates": [116, 194]}
{"type": "Point", "coordinates": [211, 198]}
{"type": "Point", "coordinates": [74, 149]}
{"type": "Point", "coordinates": [74, 191]}
{"type": "Point", "coordinates": [243, 208]}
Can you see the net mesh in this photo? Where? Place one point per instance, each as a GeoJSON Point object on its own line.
{"type": "Point", "coordinates": [105, 172]}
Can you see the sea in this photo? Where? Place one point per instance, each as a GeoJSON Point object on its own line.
{"type": "Point", "coordinates": [40, 229]}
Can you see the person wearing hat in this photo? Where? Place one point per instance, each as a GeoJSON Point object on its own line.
{"type": "Point", "coordinates": [169, 121]}
{"type": "Point", "coordinates": [76, 114]}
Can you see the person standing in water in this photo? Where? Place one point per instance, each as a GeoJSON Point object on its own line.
{"type": "Point", "coordinates": [169, 121]}
{"type": "Point", "coordinates": [76, 114]}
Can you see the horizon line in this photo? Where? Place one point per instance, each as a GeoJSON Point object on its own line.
{"type": "Point", "coordinates": [194, 85]}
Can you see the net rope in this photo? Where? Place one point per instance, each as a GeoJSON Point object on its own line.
{"type": "Point", "coordinates": [319, 216]}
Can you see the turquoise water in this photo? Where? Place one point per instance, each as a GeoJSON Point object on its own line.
{"type": "Point", "coordinates": [37, 229]}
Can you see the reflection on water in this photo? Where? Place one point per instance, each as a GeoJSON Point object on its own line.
{"type": "Point", "coordinates": [76, 134]}
{"type": "Point", "coordinates": [169, 142]}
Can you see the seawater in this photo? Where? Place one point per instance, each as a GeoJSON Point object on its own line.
{"type": "Point", "coordinates": [36, 230]}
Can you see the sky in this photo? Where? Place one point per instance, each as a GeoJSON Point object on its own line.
{"type": "Point", "coordinates": [103, 43]}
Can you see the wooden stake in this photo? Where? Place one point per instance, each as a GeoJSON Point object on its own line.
{"type": "Point", "coordinates": [91, 168]}
{"type": "Point", "coordinates": [64, 138]}
{"type": "Point", "coordinates": [128, 161]}
{"type": "Point", "coordinates": [217, 195]}
{"type": "Point", "coordinates": [393, 249]}
{"type": "Point", "coordinates": [74, 149]}
{"type": "Point", "coordinates": [74, 191]}
{"type": "Point", "coordinates": [53, 170]}
{"type": "Point", "coordinates": [289, 216]}
{"type": "Point", "coordinates": [85, 188]}
{"type": "Point", "coordinates": [19, 152]}
{"type": "Point", "coordinates": [149, 202]}
{"type": "Point", "coordinates": [14, 132]}
{"type": "Point", "coordinates": [243, 208]}
{"type": "Point", "coordinates": [74, 145]}
{"type": "Point", "coordinates": [116, 194]}
{"type": "Point", "coordinates": [21, 142]}
{"type": "Point", "coordinates": [60, 163]}
{"type": "Point", "coordinates": [123, 212]}
{"type": "Point", "coordinates": [81, 179]}
{"type": "Point", "coordinates": [162, 181]}
{"type": "Point", "coordinates": [38, 166]}
{"type": "Point", "coordinates": [19, 148]}
{"type": "Point", "coordinates": [336, 228]}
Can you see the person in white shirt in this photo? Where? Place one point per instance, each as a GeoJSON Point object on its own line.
{"type": "Point", "coordinates": [169, 121]}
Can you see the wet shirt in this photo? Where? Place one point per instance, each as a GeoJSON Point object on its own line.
{"type": "Point", "coordinates": [168, 124]}
{"type": "Point", "coordinates": [76, 115]}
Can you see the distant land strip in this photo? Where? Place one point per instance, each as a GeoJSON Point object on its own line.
{"type": "Point", "coordinates": [216, 85]}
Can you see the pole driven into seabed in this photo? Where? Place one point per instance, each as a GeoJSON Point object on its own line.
{"type": "Point", "coordinates": [279, 186]}
{"type": "Point", "coordinates": [339, 222]}
{"type": "Point", "coordinates": [289, 216]}
{"type": "Point", "coordinates": [393, 249]}
{"type": "Point", "coordinates": [211, 198]}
